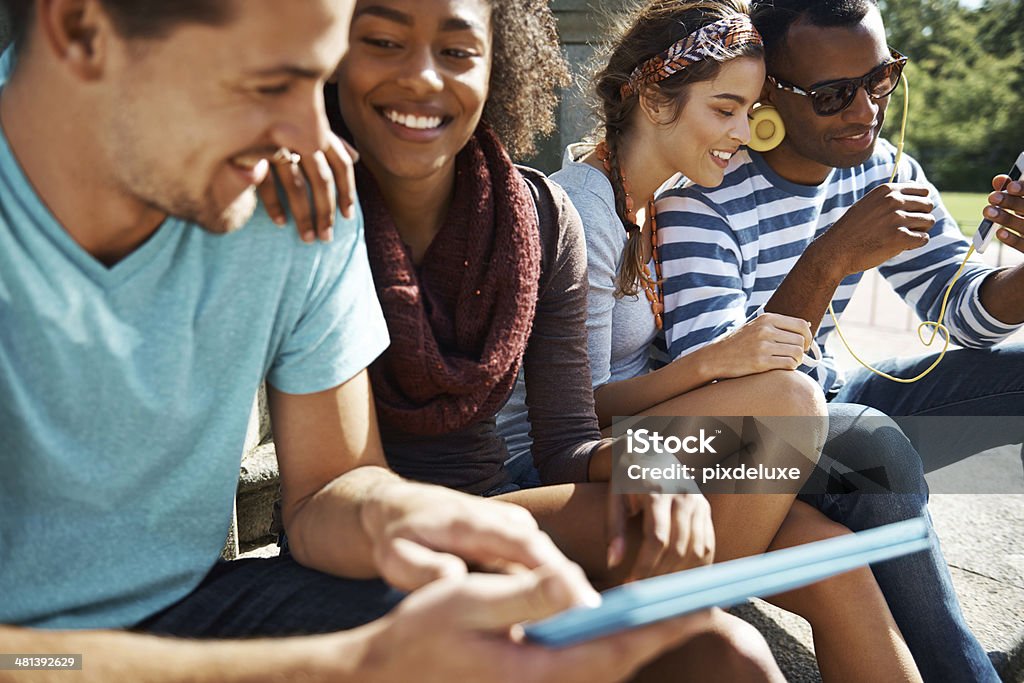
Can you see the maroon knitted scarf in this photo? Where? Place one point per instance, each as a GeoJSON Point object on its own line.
{"type": "Point", "coordinates": [459, 322]}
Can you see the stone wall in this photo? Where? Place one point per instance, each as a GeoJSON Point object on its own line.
{"type": "Point", "coordinates": [580, 27]}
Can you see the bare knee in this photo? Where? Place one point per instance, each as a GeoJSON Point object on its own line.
{"type": "Point", "coordinates": [738, 652]}
{"type": "Point", "coordinates": [797, 393]}
{"type": "Point", "coordinates": [800, 414]}
{"type": "Point", "coordinates": [729, 650]}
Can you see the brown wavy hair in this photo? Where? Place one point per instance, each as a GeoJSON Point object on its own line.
{"type": "Point", "coordinates": [645, 31]}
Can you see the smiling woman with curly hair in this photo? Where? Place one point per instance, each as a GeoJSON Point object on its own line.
{"type": "Point", "coordinates": [527, 71]}
{"type": "Point", "coordinates": [477, 262]}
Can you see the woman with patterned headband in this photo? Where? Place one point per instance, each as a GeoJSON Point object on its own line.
{"type": "Point", "coordinates": [675, 94]}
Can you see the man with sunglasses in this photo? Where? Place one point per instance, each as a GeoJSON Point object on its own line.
{"type": "Point", "coordinates": [792, 229]}
{"type": "Point", "coordinates": [804, 220]}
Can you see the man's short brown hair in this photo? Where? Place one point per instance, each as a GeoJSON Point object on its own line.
{"type": "Point", "coordinates": [135, 18]}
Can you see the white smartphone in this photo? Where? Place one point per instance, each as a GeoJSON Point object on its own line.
{"type": "Point", "coordinates": [987, 229]}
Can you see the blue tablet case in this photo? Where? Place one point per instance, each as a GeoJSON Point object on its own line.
{"type": "Point", "coordinates": [729, 583]}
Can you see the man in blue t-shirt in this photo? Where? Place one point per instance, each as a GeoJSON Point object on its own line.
{"type": "Point", "coordinates": [792, 229]}
{"type": "Point", "coordinates": [138, 318]}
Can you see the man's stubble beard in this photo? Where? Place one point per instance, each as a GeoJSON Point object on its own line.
{"type": "Point", "coordinates": [146, 182]}
{"type": "Point", "coordinates": [204, 212]}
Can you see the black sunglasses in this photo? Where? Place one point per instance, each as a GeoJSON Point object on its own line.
{"type": "Point", "coordinates": [828, 99]}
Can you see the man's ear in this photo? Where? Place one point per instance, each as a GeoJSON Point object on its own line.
{"type": "Point", "coordinates": [78, 32]}
{"type": "Point", "coordinates": [655, 106]}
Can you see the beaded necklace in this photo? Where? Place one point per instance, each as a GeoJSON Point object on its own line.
{"type": "Point", "coordinates": [650, 284]}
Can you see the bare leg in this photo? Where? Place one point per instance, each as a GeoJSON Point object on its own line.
{"type": "Point", "coordinates": [732, 650]}
{"type": "Point", "coordinates": [575, 516]}
{"type": "Point", "coordinates": [746, 524]}
{"type": "Point", "coordinates": [855, 636]}
{"type": "Point", "coordinates": [848, 613]}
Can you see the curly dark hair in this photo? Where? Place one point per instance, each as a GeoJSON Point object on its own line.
{"type": "Point", "coordinates": [645, 31]}
{"type": "Point", "coordinates": [135, 18]}
{"type": "Point", "coordinates": [527, 71]}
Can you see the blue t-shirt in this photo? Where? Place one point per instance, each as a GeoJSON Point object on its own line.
{"type": "Point", "coordinates": [125, 394]}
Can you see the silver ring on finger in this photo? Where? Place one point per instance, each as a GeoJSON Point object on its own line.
{"type": "Point", "coordinates": [283, 155]}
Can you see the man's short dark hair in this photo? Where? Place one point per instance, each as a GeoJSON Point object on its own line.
{"type": "Point", "coordinates": [135, 18]}
{"type": "Point", "coordinates": [773, 19]}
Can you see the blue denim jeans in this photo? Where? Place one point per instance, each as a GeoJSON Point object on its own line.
{"type": "Point", "coordinates": [918, 587]}
{"type": "Point", "coordinates": [967, 383]}
{"type": "Point", "coordinates": [520, 474]}
{"type": "Point", "coordinates": [272, 597]}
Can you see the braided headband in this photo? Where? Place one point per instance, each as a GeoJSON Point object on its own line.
{"type": "Point", "coordinates": [704, 43]}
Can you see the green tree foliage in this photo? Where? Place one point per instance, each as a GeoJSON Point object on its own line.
{"type": "Point", "coordinates": [966, 87]}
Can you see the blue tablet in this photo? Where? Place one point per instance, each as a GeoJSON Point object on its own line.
{"type": "Point", "coordinates": [726, 584]}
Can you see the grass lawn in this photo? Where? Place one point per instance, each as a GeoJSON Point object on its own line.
{"type": "Point", "coordinates": [966, 208]}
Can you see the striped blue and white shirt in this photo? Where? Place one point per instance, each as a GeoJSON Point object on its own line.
{"type": "Point", "coordinates": [726, 250]}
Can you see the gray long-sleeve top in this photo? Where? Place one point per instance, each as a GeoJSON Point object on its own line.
{"type": "Point", "coordinates": [620, 331]}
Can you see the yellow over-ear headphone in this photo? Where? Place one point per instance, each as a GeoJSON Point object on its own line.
{"type": "Point", "coordinates": [766, 128]}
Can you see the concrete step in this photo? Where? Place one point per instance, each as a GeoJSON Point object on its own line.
{"type": "Point", "coordinates": [980, 536]}
{"type": "Point", "coordinates": [256, 484]}
{"type": "Point", "coordinates": [258, 490]}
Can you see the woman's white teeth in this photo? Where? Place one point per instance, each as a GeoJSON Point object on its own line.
{"type": "Point", "coordinates": [721, 155]}
{"type": "Point", "coordinates": [411, 121]}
